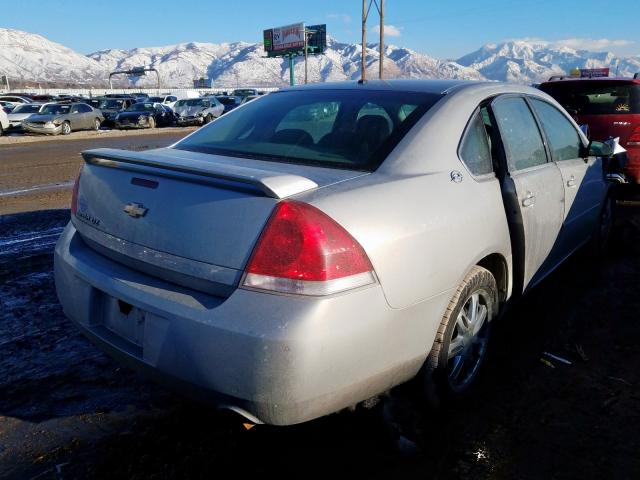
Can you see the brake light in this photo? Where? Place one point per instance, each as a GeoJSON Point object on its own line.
{"type": "Point", "coordinates": [74, 194]}
{"type": "Point", "coordinates": [302, 250]}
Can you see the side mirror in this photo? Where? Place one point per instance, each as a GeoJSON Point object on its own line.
{"type": "Point", "coordinates": [599, 149]}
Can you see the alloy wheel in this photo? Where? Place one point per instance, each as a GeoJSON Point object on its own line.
{"type": "Point", "coordinates": [468, 342]}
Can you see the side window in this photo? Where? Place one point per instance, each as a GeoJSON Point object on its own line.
{"type": "Point", "coordinates": [520, 134]}
{"type": "Point", "coordinates": [84, 108]}
{"type": "Point", "coordinates": [564, 141]}
{"type": "Point", "coordinates": [475, 151]}
{"type": "Point", "coordinates": [75, 109]}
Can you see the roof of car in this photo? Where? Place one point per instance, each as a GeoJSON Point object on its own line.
{"type": "Point", "coordinates": [424, 86]}
{"type": "Point", "coordinates": [562, 80]}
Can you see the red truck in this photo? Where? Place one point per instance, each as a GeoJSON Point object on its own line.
{"type": "Point", "coordinates": [611, 108]}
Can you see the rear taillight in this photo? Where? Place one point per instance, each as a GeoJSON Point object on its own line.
{"type": "Point", "coordinates": [74, 194]}
{"type": "Point", "coordinates": [302, 250]}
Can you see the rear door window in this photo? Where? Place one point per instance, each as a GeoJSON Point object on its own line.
{"type": "Point", "coordinates": [563, 138]}
{"type": "Point", "coordinates": [520, 134]}
{"type": "Point", "coordinates": [475, 150]}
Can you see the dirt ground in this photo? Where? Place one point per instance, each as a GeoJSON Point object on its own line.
{"type": "Point", "coordinates": [69, 412]}
{"type": "Point", "coordinates": [37, 172]}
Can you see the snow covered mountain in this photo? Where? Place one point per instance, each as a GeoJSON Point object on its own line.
{"type": "Point", "coordinates": [30, 57]}
{"type": "Point", "coordinates": [240, 63]}
{"type": "Point", "coordinates": [532, 61]}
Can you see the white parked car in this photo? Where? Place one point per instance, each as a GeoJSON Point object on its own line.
{"type": "Point", "coordinates": [15, 100]}
{"type": "Point", "coordinates": [4, 121]}
{"type": "Point", "coordinates": [197, 111]}
{"type": "Point", "coordinates": [22, 112]}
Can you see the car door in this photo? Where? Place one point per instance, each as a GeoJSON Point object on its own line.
{"type": "Point", "coordinates": [88, 116]}
{"type": "Point", "coordinates": [75, 118]}
{"type": "Point", "coordinates": [532, 187]}
{"type": "Point", "coordinates": [582, 175]}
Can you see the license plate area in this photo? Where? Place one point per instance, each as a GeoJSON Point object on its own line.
{"type": "Point", "coordinates": [124, 320]}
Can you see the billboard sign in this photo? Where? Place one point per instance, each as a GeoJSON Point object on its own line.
{"type": "Point", "coordinates": [289, 37]}
{"type": "Point", "coordinates": [202, 83]}
{"type": "Point", "coordinates": [285, 40]}
{"type": "Point", "coordinates": [317, 38]}
{"type": "Point", "coordinates": [594, 72]}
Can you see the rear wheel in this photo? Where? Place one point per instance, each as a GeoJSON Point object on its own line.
{"type": "Point", "coordinates": [66, 128]}
{"type": "Point", "coordinates": [461, 343]}
{"type": "Point", "coordinates": [96, 124]}
{"type": "Point", "coordinates": [152, 122]}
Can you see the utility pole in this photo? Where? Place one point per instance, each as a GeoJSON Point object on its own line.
{"type": "Point", "coordinates": [381, 10]}
{"type": "Point", "coordinates": [292, 77]}
{"type": "Point", "coordinates": [306, 54]}
{"type": "Point", "coordinates": [363, 75]}
{"type": "Point", "coordinates": [365, 14]}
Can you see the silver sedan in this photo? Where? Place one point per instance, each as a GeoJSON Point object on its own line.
{"type": "Point", "coordinates": [319, 246]}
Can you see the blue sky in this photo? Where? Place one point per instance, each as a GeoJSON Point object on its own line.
{"type": "Point", "coordinates": [444, 29]}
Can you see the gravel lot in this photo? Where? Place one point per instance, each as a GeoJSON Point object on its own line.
{"type": "Point", "coordinates": [69, 412]}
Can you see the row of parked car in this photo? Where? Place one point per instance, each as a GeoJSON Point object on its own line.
{"type": "Point", "coordinates": [63, 114]}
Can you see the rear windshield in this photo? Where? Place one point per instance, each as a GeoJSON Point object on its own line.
{"type": "Point", "coordinates": [353, 129]}
{"type": "Point", "coordinates": [595, 98]}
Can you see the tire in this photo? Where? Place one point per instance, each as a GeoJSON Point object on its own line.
{"type": "Point", "coordinates": [1, 131]}
{"type": "Point", "coordinates": [462, 340]}
{"type": "Point", "coordinates": [152, 122]}
{"type": "Point", "coordinates": [66, 128]}
{"type": "Point", "coordinates": [208, 119]}
{"type": "Point", "coordinates": [602, 233]}
{"type": "Point", "coordinates": [96, 124]}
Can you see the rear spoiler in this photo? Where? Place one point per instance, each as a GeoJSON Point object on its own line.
{"type": "Point", "coordinates": [271, 184]}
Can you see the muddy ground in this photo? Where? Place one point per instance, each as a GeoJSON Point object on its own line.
{"type": "Point", "coordinates": [69, 412]}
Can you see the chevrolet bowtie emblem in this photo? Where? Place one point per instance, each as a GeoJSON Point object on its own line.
{"type": "Point", "coordinates": [135, 210]}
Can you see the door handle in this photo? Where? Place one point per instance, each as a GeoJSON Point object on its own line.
{"type": "Point", "coordinates": [571, 182]}
{"type": "Point", "coordinates": [529, 200]}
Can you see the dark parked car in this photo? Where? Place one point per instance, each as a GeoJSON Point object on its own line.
{"type": "Point", "coordinates": [611, 108]}
{"type": "Point", "coordinates": [144, 115]}
{"type": "Point", "coordinates": [110, 107]}
{"type": "Point", "coordinates": [229, 101]}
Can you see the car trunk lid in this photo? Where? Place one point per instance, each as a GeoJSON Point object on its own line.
{"type": "Point", "coordinates": [187, 217]}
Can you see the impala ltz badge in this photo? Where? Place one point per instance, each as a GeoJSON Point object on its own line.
{"type": "Point", "coordinates": [135, 210]}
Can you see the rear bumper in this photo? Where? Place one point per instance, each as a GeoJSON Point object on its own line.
{"type": "Point", "coordinates": [275, 359]}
